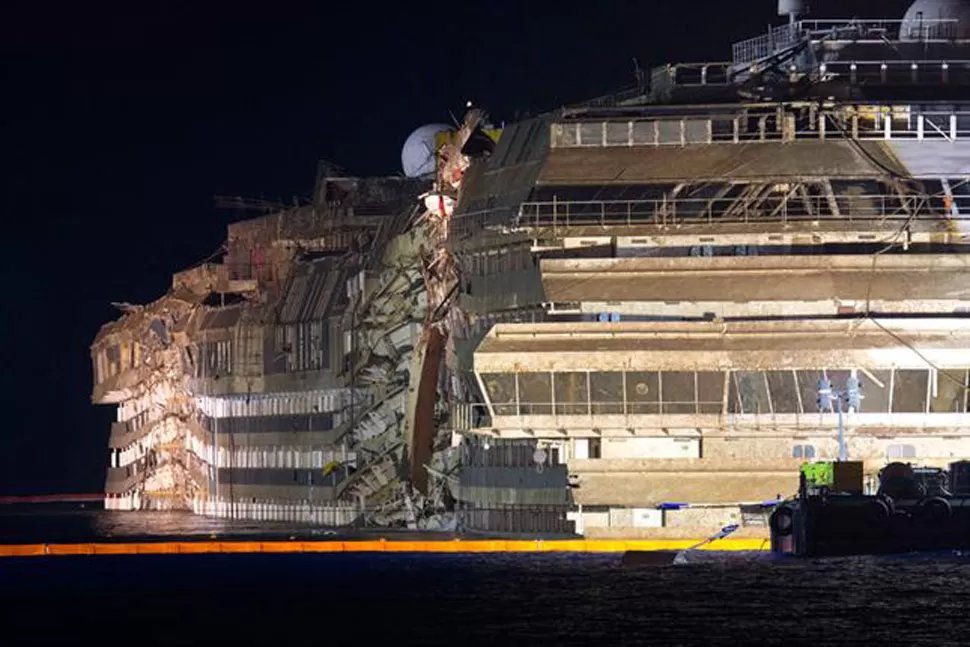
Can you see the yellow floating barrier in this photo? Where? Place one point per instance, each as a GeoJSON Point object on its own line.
{"type": "Point", "coordinates": [382, 545]}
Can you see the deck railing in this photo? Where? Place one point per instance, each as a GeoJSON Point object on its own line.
{"type": "Point", "coordinates": [781, 38]}
{"type": "Point", "coordinates": [860, 123]}
{"type": "Point", "coordinates": [780, 207]}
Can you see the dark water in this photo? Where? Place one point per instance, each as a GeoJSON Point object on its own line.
{"type": "Point", "coordinates": [73, 524]}
{"type": "Point", "coordinates": [380, 599]}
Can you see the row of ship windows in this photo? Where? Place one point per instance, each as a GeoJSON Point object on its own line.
{"type": "Point", "coordinates": [305, 346]}
{"type": "Point", "coordinates": [298, 347]}
{"type": "Point", "coordinates": [893, 452]}
{"type": "Point", "coordinates": [213, 359]}
{"type": "Point", "coordinates": [114, 359]}
{"type": "Point", "coordinates": [523, 455]}
{"type": "Point", "coordinates": [497, 261]}
{"type": "Point", "coordinates": [732, 392]}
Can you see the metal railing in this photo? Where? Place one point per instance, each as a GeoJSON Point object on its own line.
{"type": "Point", "coordinates": [927, 30]}
{"type": "Point", "coordinates": [617, 408]}
{"type": "Point", "coordinates": [759, 47]}
{"type": "Point", "coordinates": [861, 123]}
{"type": "Point", "coordinates": [785, 36]}
{"type": "Point", "coordinates": [784, 208]}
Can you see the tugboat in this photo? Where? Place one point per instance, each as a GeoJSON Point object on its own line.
{"type": "Point", "coordinates": [915, 509]}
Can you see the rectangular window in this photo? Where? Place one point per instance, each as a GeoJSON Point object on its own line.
{"type": "Point", "coordinates": [875, 387]}
{"type": "Point", "coordinates": [948, 390]}
{"type": "Point", "coordinates": [894, 452]}
{"type": "Point", "coordinates": [301, 347]}
{"type": "Point", "coordinates": [710, 393]}
{"type": "Point", "coordinates": [289, 347]}
{"type": "Point", "coordinates": [909, 391]}
{"type": "Point", "coordinates": [643, 393]}
{"type": "Point", "coordinates": [677, 393]}
{"type": "Point", "coordinates": [606, 392]}
{"type": "Point", "coordinates": [571, 394]}
{"type": "Point", "coordinates": [535, 394]}
{"type": "Point", "coordinates": [783, 391]}
{"type": "Point", "coordinates": [750, 393]}
{"type": "Point", "coordinates": [808, 387]}
{"type": "Point", "coordinates": [501, 392]}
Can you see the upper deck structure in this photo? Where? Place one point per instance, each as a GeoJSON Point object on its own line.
{"type": "Point", "coordinates": [694, 259]}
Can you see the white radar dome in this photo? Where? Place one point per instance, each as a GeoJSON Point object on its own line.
{"type": "Point", "coordinates": [923, 20]}
{"type": "Point", "coordinates": [792, 8]}
{"type": "Point", "coordinates": [417, 156]}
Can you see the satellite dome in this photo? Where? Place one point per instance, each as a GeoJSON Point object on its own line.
{"type": "Point", "coordinates": [919, 21]}
{"type": "Point", "coordinates": [418, 154]}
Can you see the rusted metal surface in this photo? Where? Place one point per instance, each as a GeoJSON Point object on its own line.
{"type": "Point", "coordinates": [776, 278]}
{"type": "Point", "coordinates": [423, 429]}
{"type": "Point", "coordinates": [771, 161]}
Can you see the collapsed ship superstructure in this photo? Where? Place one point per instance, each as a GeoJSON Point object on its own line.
{"type": "Point", "coordinates": [623, 318]}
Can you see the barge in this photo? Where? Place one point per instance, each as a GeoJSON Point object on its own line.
{"type": "Point", "coordinates": [914, 509]}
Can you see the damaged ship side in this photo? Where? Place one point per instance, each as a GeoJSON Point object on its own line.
{"type": "Point", "coordinates": [308, 376]}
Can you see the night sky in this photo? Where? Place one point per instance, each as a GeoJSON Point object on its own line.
{"type": "Point", "coordinates": [120, 123]}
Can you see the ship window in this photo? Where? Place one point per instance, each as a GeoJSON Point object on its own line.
{"type": "Point", "coordinates": [697, 131]}
{"type": "Point", "coordinates": [535, 394]}
{"type": "Point", "coordinates": [113, 353]}
{"type": "Point", "coordinates": [617, 133]}
{"type": "Point", "coordinates": [839, 379]}
{"type": "Point", "coordinates": [591, 134]}
{"type": "Point", "coordinates": [784, 391]}
{"type": "Point", "coordinates": [808, 387]}
{"type": "Point", "coordinates": [749, 393]}
{"type": "Point", "coordinates": [568, 134]}
{"type": "Point", "coordinates": [900, 451]}
{"type": "Point", "coordinates": [644, 132]}
{"type": "Point", "coordinates": [500, 388]}
{"type": "Point", "coordinates": [803, 451]}
{"type": "Point", "coordinates": [571, 395]}
{"type": "Point", "coordinates": [677, 393]}
{"type": "Point", "coordinates": [606, 392]}
{"type": "Point", "coordinates": [875, 390]}
{"type": "Point", "coordinates": [642, 392]}
{"type": "Point", "coordinates": [909, 391]}
{"type": "Point", "coordinates": [950, 389]}
{"type": "Point", "coordinates": [669, 131]}
{"type": "Point", "coordinates": [710, 392]}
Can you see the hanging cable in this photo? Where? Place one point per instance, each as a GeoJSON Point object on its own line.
{"type": "Point", "coordinates": [956, 380]}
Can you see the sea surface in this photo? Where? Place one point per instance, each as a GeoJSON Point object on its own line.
{"type": "Point", "coordinates": [394, 599]}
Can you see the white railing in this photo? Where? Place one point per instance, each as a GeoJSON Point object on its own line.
{"type": "Point", "coordinates": [928, 30]}
{"type": "Point", "coordinates": [864, 123]}
{"type": "Point", "coordinates": [760, 47]}
{"type": "Point", "coordinates": [781, 38]}
{"type": "Point", "coordinates": [781, 208]}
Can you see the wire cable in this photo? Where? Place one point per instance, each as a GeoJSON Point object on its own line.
{"type": "Point", "coordinates": [956, 380]}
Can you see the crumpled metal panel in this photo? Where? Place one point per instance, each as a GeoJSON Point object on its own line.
{"type": "Point", "coordinates": [221, 318]}
{"type": "Point", "coordinates": [313, 292]}
{"type": "Point", "coordinates": [780, 161]}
